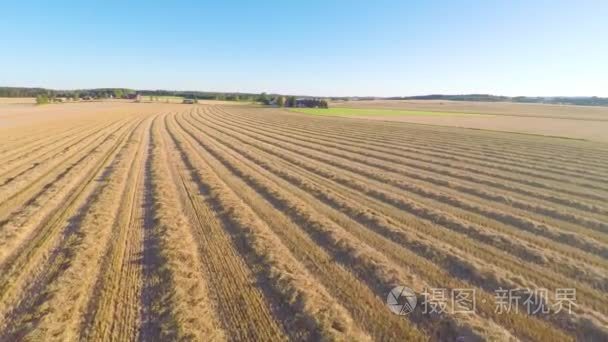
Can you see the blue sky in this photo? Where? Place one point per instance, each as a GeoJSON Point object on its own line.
{"type": "Point", "coordinates": [380, 48]}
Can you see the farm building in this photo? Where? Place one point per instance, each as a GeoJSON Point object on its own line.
{"type": "Point", "coordinates": [133, 96]}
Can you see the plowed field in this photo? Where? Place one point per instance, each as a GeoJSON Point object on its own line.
{"type": "Point", "coordinates": [219, 222]}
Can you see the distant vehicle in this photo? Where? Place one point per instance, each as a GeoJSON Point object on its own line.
{"type": "Point", "coordinates": [188, 101]}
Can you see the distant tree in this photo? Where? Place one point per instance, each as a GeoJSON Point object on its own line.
{"type": "Point", "coordinates": [118, 93]}
{"type": "Point", "coordinates": [76, 96]}
{"type": "Point", "coordinates": [42, 99]}
{"type": "Point", "coordinates": [263, 98]}
{"type": "Point", "coordinates": [323, 104]}
{"type": "Point", "coordinates": [291, 101]}
{"type": "Point", "coordinates": [280, 101]}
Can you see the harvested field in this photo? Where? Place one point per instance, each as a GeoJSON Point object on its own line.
{"type": "Point", "coordinates": [575, 122]}
{"type": "Point", "coordinates": [124, 221]}
{"type": "Point", "coordinates": [17, 100]}
{"type": "Point", "coordinates": [479, 107]}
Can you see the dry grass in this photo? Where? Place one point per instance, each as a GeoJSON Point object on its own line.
{"type": "Point", "coordinates": [576, 122]}
{"type": "Point", "coordinates": [494, 108]}
{"type": "Point", "coordinates": [17, 100]}
{"type": "Point", "coordinates": [124, 221]}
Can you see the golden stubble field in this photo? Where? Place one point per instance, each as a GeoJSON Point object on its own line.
{"type": "Point", "coordinates": [576, 122]}
{"type": "Point", "coordinates": [124, 221]}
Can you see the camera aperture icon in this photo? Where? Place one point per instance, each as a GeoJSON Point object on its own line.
{"type": "Point", "coordinates": [401, 300]}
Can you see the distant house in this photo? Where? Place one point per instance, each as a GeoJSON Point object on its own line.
{"type": "Point", "coordinates": [133, 96]}
{"type": "Point", "coordinates": [301, 102]}
{"type": "Point", "coordinates": [274, 102]}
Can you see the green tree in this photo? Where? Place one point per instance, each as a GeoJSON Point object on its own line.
{"type": "Point", "coordinates": [291, 101]}
{"type": "Point", "coordinates": [42, 99]}
{"type": "Point", "coordinates": [118, 93]}
{"type": "Point", "coordinates": [263, 98]}
{"type": "Point", "coordinates": [280, 101]}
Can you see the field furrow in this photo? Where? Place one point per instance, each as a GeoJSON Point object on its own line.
{"type": "Point", "coordinates": [363, 305]}
{"type": "Point", "coordinates": [54, 305]}
{"type": "Point", "coordinates": [414, 155]}
{"type": "Point", "coordinates": [20, 191]}
{"type": "Point", "coordinates": [368, 262]}
{"type": "Point", "coordinates": [185, 310]}
{"type": "Point", "coordinates": [36, 262]}
{"type": "Point", "coordinates": [37, 159]}
{"type": "Point", "coordinates": [348, 166]}
{"type": "Point", "coordinates": [505, 145]}
{"type": "Point", "coordinates": [234, 222]}
{"type": "Point", "coordinates": [320, 315]}
{"type": "Point", "coordinates": [435, 166]}
{"type": "Point", "coordinates": [482, 144]}
{"type": "Point", "coordinates": [33, 208]}
{"type": "Point", "coordinates": [546, 215]}
{"type": "Point", "coordinates": [16, 151]}
{"type": "Point", "coordinates": [118, 286]}
{"type": "Point", "coordinates": [486, 281]}
{"type": "Point", "coordinates": [486, 159]}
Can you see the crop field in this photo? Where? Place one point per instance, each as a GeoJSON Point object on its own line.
{"type": "Point", "coordinates": [170, 99]}
{"type": "Point", "coordinates": [215, 222]}
{"type": "Point", "coordinates": [479, 107]}
{"type": "Point", "coordinates": [564, 121]}
{"type": "Point", "coordinates": [365, 112]}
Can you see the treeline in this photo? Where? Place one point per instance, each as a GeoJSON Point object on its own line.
{"type": "Point", "coordinates": [102, 93]}
{"type": "Point", "coordinates": [97, 93]}
{"type": "Point", "coordinates": [567, 100]}
{"type": "Point", "coordinates": [291, 101]}
{"type": "Point", "coordinates": [310, 103]}
{"type": "Point", "coordinates": [202, 95]}
{"type": "Point", "coordinates": [22, 92]}
{"type": "Point", "coordinates": [43, 96]}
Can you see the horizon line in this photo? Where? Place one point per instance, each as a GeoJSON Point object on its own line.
{"type": "Point", "coordinates": [305, 95]}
